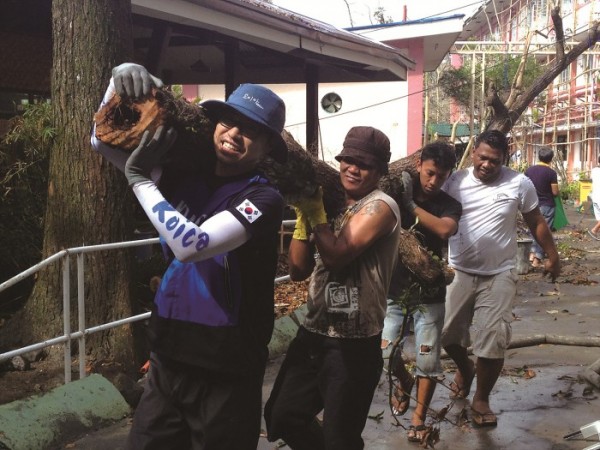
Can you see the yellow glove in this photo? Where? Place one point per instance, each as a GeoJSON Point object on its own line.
{"type": "Point", "coordinates": [312, 208]}
{"type": "Point", "coordinates": [301, 230]}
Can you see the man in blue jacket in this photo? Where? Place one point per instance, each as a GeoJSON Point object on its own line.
{"type": "Point", "coordinates": [213, 313]}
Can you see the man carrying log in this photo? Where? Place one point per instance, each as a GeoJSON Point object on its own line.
{"type": "Point", "coordinates": [482, 253]}
{"type": "Point", "coordinates": [334, 362]}
{"type": "Point", "coordinates": [434, 215]}
{"type": "Point", "coordinates": [213, 313]}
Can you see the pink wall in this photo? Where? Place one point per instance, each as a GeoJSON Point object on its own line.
{"type": "Point", "coordinates": [415, 78]}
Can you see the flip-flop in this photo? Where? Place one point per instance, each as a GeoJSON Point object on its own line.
{"type": "Point", "coordinates": [593, 235]}
{"type": "Point", "coordinates": [458, 391]}
{"type": "Point", "coordinates": [480, 419]}
{"type": "Point", "coordinates": [401, 398]}
{"type": "Point", "coordinates": [416, 433]}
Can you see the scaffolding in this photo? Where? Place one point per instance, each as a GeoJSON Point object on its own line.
{"type": "Point", "coordinates": [566, 115]}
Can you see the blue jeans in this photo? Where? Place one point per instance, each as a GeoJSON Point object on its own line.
{"type": "Point", "coordinates": [428, 324]}
{"type": "Point", "coordinates": [548, 213]}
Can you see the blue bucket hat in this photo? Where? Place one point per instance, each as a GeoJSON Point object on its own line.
{"type": "Point", "coordinates": [261, 105]}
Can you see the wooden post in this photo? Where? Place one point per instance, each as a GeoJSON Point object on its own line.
{"type": "Point", "coordinates": [312, 110]}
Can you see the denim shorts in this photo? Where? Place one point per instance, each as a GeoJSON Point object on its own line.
{"type": "Point", "coordinates": [548, 213]}
{"type": "Point", "coordinates": [480, 307]}
{"type": "Point", "coordinates": [428, 323]}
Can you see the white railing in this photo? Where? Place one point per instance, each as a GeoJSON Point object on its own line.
{"type": "Point", "coordinates": [69, 335]}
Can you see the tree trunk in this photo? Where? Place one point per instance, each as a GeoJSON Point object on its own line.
{"type": "Point", "coordinates": [299, 176]}
{"type": "Point", "coordinates": [88, 200]}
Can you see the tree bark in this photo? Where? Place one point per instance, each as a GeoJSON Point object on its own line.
{"type": "Point", "coordinates": [88, 200]}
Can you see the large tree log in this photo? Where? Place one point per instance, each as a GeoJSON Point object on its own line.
{"type": "Point", "coordinates": [122, 123]}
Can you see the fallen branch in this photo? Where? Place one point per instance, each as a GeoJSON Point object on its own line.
{"type": "Point", "coordinates": [591, 374]}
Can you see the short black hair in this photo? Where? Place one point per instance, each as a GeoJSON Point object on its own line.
{"type": "Point", "coordinates": [495, 139]}
{"type": "Point", "coordinates": [442, 153]}
{"type": "Point", "coordinates": [545, 154]}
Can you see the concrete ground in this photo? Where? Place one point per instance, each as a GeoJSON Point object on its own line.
{"type": "Point", "coordinates": [533, 413]}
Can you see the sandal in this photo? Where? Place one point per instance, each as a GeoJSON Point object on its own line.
{"type": "Point", "coordinates": [458, 391]}
{"type": "Point", "coordinates": [480, 419]}
{"type": "Point", "coordinates": [416, 433]}
{"type": "Point", "coordinates": [594, 235]}
{"type": "Point", "coordinates": [401, 399]}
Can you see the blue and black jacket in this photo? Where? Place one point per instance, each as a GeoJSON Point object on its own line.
{"type": "Point", "coordinates": [218, 313]}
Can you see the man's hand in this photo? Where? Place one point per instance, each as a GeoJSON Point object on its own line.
{"type": "Point", "coordinates": [552, 268]}
{"type": "Point", "coordinates": [148, 154]}
{"type": "Point", "coordinates": [312, 208]}
{"type": "Point", "coordinates": [133, 80]}
{"type": "Point", "coordinates": [407, 192]}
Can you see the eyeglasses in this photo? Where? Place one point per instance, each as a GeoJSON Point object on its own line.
{"type": "Point", "coordinates": [246, 128]}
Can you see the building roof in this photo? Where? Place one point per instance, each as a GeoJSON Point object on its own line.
{"type": "Point", "coordinates": [438, 34]}
{"type": "Point", "coordinates": [481, 16]}
{"type": "Point", "coordinates": [273, 44]}
{"type": "Point", "coordinates": [193, 41]}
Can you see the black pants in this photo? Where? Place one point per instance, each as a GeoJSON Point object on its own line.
{"type": "Point", "coordinates": [338, 376]}
{"type": "Point", "coordinates": [185, 407]}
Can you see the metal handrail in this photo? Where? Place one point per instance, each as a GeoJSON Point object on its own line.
{"type": "Point", "coordinates": [82, 332]}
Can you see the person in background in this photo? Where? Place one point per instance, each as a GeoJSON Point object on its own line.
{"type": "Point", "coordinates": [595, 196]}
{"type": "Point", "coordinates": [545, 180]}
{"type": "Point", "coordinates": [435, 216]}
{"type": "Point", "coordinates": [334, 363]}
{"type": "Point", "coordinates": [213, 313]}
{"type": "Point", "coordinates": [482, 254]}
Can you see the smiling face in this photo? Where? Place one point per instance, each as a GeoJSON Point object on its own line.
{"type": "Point", "coordinates": [240, 144]}
{"type": "Point", "coordinates": [431, 177]}
{"type": "Point", "coordinates": [487, 162]}
{"type": "Point", "coordinates": [357, 178]}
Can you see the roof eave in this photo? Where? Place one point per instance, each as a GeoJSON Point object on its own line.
{"type": "Point", "coordinates": [274, 28]}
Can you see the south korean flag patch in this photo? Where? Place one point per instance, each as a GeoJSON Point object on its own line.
{"type": "Point", "coordinates": [249, 211]}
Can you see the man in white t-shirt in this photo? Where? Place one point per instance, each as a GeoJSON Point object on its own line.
{"type": "Point", "coordinates": [595, 195]}
{"type": "Point", "coordinates": [483, 253]}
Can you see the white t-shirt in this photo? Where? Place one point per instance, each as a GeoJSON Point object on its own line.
{"type": "Point", "coordinates": [486, 241]}
{"type": "Point", "coordinates": [596, 185]}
